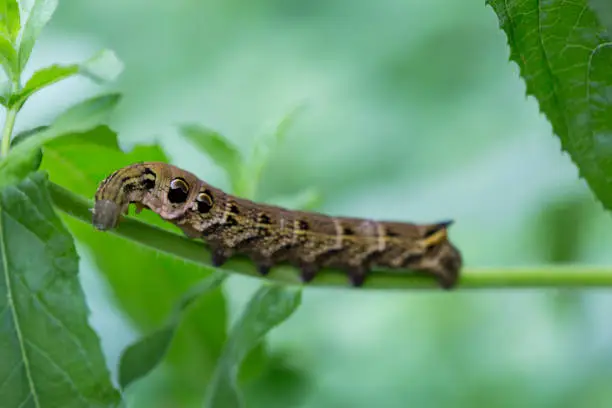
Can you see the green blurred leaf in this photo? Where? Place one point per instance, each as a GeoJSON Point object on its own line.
{"type": "Point", "coordinates": [103, 67]}
{"type": "Point", "coordinates": [603, 9]}
{"type": "Point", "coordinates": [255, 363]}
{"type": "Point", "coordinates": [13, 175]}
{"type": "Point", "coordinates": [42, 78]}
{"type": "Point", "coordinates": [561, 229]}
{"type": "Point", "coordinates": [262, 150]}
{"type": "Point", "coordinates": [50, 356]}
{"type": "Point", "coordinates": [5, 92]}
{"type": "Point", "coordinates": [218, 148]}
{"type": "Point", "coordinates": [141, 357]}
{"type": "Point", "coordinates": [564, 56]}
{"type": "Point", "coordinates": [87, 114]}
{"type": "Point", "coordinates": [41, 13]}
{"type": "Point", "coordinates": [25, 134]}
{"type": "Point", "coordinates": [269, 307]}
{"type": "Point", "coordinates": [8, 58]}
{"type": "Point", "coordinates": [284, 379]}
{"type": "Point", "coordinates": [81, 117]}
{"type": "Point", "coordinates": [16, 171]}
{"type": "Point", "coordinates": [10, 23]}
{"type": "Point", "coordinates": [306, 200]}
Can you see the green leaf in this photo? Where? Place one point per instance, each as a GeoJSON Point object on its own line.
{"type": "Point", "coordinates": [10, 23]}
{"type": "Point", "coordinates": [306, 200]}
{"type": "Point", "coordinates": [103, 67]}
{"type": "Point", "coordinates": [87, 114]}
{"type": "Point", "coordinates": [8, 58]}
{"type": "Point", "coordinates": [564, 56]}
{"type": "Point", "coordinates": [144, 355]}
{"type": "Point", "coordinates": [49, 354]}
{"type": "Point", "coordinates": [262, 150]}
{"type": "Point", "coordinates": [26, 134]}
{"type": "Point", "coordinates": [255, 363]}
{"type": "Point", "coordinates": [36, 155]}
{"type": "Point", "coordinates": [42, 78]}
{"type": "Point", "coordinates": [82, 117]}
{"type": "Point", "coordinates": [218, 148]}
{"type": "Point", "coordinates": [5, 92]}
{"type": "Point", "coordinates": [269, 307]}
{"type": "Point", "coordinates": [18, 170]}
{"type": "Point", "coordinates": [41, 13]}
{"type": "Point", "coordinates": [603, 9]}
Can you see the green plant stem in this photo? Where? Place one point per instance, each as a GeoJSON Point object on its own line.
{"type": "Point", "coordinates": [191, 250]}
{"type": "Point", "coordinates": [7, 131]}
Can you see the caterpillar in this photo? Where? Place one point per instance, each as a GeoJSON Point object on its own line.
{"type": "Point", "coordinates": [270, 235]}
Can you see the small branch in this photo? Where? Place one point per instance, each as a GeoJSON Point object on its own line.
{"type": "Point", "coordinates": [7, 131]}
{"type": "Point", "coordinates": [195, 251]}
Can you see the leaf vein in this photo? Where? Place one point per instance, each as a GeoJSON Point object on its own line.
{"type": "Point", "coordinates": [30, 395]}
{"type": "Point", "coordinates": [59, 368]}
{"type": "Point", "coordinates": [11, 305]}
{"type": "Point", "coordinates": [45, 308]}
{"type": "Point", "coordinates": [8, 377]}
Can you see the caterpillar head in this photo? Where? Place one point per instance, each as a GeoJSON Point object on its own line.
{"type": "Point", "coordinates": [160, 187]}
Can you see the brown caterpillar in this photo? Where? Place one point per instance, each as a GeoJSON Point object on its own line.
{"type": "Point", "coordinates": [269, 235]}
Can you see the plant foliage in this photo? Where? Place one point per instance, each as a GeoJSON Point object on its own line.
{"type": "Point", "coordinates": [50, 355]}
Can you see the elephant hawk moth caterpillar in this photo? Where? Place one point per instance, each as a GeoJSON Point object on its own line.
{"type": "Point", "coordinates": [270, 235]}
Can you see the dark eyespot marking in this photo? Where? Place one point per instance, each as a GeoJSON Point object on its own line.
{"type": "Point", "coordinates": [348, 231]}
{"type": "Point", "coordinates": [204, 202]}
{"type": "Point", "coordinates": [264, 219]}
{"type": "Point", "coordinates": [303, 225]}
{"type": "Point", "coordinates": [149, 179]}
{"type": "Point", "coordinates": [233, 208]}
{"type": "Point", "coordinates": [179, 191]}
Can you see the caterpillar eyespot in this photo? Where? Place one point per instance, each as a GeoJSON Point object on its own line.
{"type": "Point", "coordinates": [179, 191]}
{"type": "Point", "coordinates": [270, 235]}
{"type": "Point", "coordinates": [204, 202]}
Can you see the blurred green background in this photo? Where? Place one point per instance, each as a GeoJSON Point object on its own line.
{"type": "Point", "coordinates": [414, 113]}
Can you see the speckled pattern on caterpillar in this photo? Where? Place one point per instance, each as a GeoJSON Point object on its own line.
{"type": "Point", "coordinates": [270, 235]}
